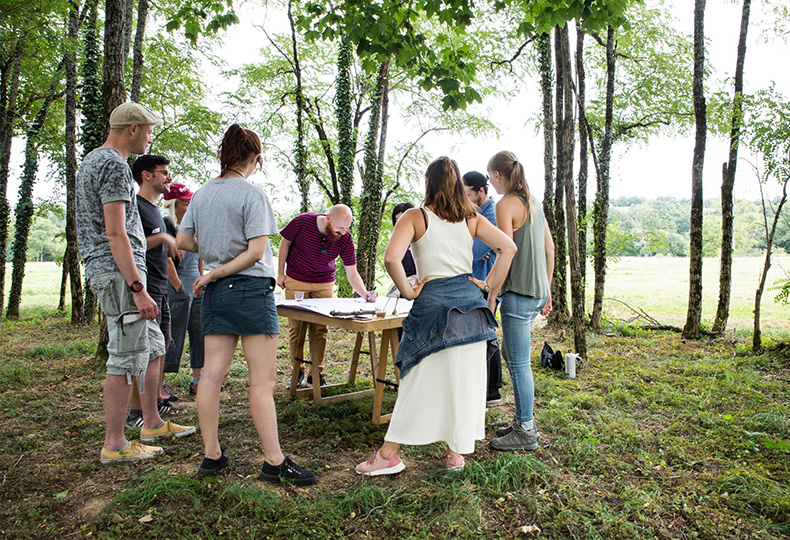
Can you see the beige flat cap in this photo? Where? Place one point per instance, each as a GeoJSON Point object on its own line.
{"type": "Point", "coordinates": [133, 113]}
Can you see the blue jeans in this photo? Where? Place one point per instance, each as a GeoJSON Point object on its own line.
{"type": "Point", "coordinates": [518, 313]}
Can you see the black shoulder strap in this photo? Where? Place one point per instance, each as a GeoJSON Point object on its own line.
{"type": "Point", "coordinates": [424, 217]}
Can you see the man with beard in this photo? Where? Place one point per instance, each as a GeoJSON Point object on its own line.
{"type": "Point", "coordinates": [310, 245]}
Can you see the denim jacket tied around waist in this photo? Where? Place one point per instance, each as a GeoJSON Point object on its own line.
{"type": "Point", "coordinates": [447, 313]}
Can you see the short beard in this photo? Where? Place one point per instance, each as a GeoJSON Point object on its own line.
{"type": "Point", "coordinates": [333, 236]}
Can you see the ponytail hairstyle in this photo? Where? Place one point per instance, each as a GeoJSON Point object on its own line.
{"type": "Point", "coordinates": [444, 191]}
{"type": "Point", "coordinates": [513, 178]}
{"type": "Point", "coordinates": [237, 145]}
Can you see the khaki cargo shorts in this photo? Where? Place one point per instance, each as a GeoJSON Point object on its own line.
{"type": "Point", "coordinates": [134, 341]}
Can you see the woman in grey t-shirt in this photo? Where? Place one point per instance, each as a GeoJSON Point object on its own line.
{"type": "Point", "coordinates": [228, 223]}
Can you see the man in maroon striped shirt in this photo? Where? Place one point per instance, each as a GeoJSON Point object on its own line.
{"type": "Point", "coordinates": [310, 245]}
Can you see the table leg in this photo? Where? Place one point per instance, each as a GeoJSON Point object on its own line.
{"type": "Point", "coordinates": [314, 370]}
{"type": "Point", "coordinates": [394, 343]}
{"type": "Point", "coordinates": [380, 375]}
{"type": "Point", "coordinates": [352, 373]}
{"type": "Point", "coordinates": [297, 365]}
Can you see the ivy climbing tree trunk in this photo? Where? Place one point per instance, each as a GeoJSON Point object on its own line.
{"type": "Point", "coordinates": [24, 208]}
{"type": "Point", "coordinates": [373, 180]}
{"type": "Point", "coordinates": [547, 93]}
{"type": "Point", "coordinates": [9, 89]}
{"type": "Point", "coordinates": [559, 297]}
{"type": "Point", "coordinates": [93, 115]}
{"type": "Point", "coordinates": [71, 260]}
{"type": "Point", "coordinates": [692, 328]}
{"type": "Point", "coordinates": [728, 181]}
{"type": "Point", "coordinates": [601, 207]}
{"type": "Point", "coordinates": [344, 104]}
{"type": "Point", "coordinates": [581, 84]}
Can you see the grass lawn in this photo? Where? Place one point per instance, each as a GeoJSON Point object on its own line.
{"type": "Point", "coordinates": [655, 438]}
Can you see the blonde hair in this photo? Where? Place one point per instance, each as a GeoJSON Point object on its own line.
{"type": "Point", "coordinates": [444, 191]}
{"type": "Point", "coordinates": [513, 177]}
{"type": "Point", "coordinates": [170, 206]}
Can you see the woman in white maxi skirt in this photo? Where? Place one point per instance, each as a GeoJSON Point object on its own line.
{"type": "Point", "coordinates": [443, 382]}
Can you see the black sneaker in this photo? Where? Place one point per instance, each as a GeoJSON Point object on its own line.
{"type": "Point", "coordinates": [134, 419]}
{"type": "Point", "coordinates": [299, 382]}
{"type": "Point", "coordinates": [287, 471]}
{"type": "Point", "coordinates": [167, 408]}
{"type": "Point", "coordinates": [210, 467]}
{"type": "Point", "coordinates": [321, 378]}
{"type": "Point", "coordinates": [494, 398]}
{"type": "Point", "coordinates": [166, 393]}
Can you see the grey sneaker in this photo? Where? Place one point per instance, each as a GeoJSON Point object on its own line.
{"type": "Point", "coordinates": [517, 439]}
{"type": "Point", "coordinates": [502, 431]}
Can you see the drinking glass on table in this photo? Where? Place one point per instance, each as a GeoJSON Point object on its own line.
{"type": "Point", "coordinates": [299, 296]}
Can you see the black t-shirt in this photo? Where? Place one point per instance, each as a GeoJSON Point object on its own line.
{"type": "Point", "coordinates": [155, 258]}
{"type": "Point", "coordinates": [172, 230]}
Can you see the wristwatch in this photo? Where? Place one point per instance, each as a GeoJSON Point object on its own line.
{"type": "Point", "coordinates": [136, 286]}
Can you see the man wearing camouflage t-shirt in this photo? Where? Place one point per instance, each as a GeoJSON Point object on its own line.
{"type": "Point", "coordinates": [113, 245]}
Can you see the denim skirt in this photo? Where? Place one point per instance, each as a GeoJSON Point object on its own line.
{"type": "Point", "coordinates": [240, 305]}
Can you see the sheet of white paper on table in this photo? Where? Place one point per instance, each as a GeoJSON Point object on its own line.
{"type": "Point", "coordinates": [325, 306]}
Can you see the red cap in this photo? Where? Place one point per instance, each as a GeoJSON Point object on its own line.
{"type": "Point", "coordinates": [178, 191]}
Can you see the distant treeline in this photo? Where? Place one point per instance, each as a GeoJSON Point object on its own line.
{"type": "Point", "coordinates": [637, 228]}
{"type": "Point", "coordinates": [648, 227]}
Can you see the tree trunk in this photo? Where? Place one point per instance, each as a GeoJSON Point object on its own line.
{"type": "Point", "coordinates": [559, 294]}
{"type": "Point", "coordinates": [114, 91]}
{"type": "Point", "coordinates": [757, 343]}
{"type": "Point", "coordinates": [93, 126]}
{"type": "Point", "coordinates": [346, 142]}
{"type": "Point", "coordinates": [692, 328]}
{"type": "Point", "coordinates": [139, 60]}
{"type": "Point", "coordinates": [728, 182]}
{"type": "Point", "coordinates": [24, 208]}
{"type": "Point", "coordinates": [546, 90]}
{"type": "Point", "coordinates": [372, 180]}
{"type": "Point", "coordinates": [583, 154]}
{"type": "Point", "coordinates": [128, 13]}
{"type": "Point", "coordinates": [9, 88]}
{"type": "Point", "coordinates": [114, 94]}
{"type": "Point", "coordinates": [601, 209]}
{"type": "Point", "coordinates": [300, 167]}
{"type": "Point", "coordinates": [71, 260]}
{"type": "Point", "coordinates": [64, 280]}
{"type": "Point", "coordinates": [565, 146]}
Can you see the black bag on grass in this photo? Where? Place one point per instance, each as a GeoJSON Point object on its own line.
{"type": "Point", "coordinates": [551, 359]}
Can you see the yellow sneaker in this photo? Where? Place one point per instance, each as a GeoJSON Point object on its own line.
{"type": "Point", "coordinates": [134, 451]}
{"type": "Point", "coordinates": [167, 429]}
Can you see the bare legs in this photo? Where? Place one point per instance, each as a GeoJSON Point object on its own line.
{"type": "Point", "coordinates": [116, 399]}
{"type": "Point", "coordinates": [261, 353]}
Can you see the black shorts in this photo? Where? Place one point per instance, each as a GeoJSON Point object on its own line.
{"type": "Point", "coordinates": [163, 319]}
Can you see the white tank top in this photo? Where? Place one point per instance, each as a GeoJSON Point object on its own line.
{"type": "Point", "coordinates": [445, 250]}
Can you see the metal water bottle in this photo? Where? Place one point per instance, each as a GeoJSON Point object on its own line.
{"type": "Point", "coordinates": [570, 365]}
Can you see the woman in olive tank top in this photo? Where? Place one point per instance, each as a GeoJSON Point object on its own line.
{"type": "Point", "coordinates": [525, 292]}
